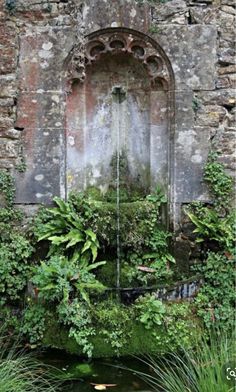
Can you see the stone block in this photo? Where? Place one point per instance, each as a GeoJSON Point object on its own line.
{"type": "Point", "coordinates": [191, 151]}
{"type": "Point", "coordinates": [232, 79]}
{"type": "Point", "coordinates": [7, 64]}
{"type": "Point", "coordinates": [42, 58]}
{"type": "Point", "coordinates": [8, 86]}
{"type": "Point", "coordinates": [184, 114]}
{"type": "Point", "coordinates": [5, 123]}
{"type": "Point", "coordinates": [42, 109]}
{"type": "Point", "coordinates": [10, 133]}
{"type": "Point", "coordinates": [228, 9]}
{"type": "Point", "coordinates": [226, 56]}
{"type": "Point", "coordinates": [202, 14]}
{"type": "Point", "coordinates": [227, 70]}
{"type": "Point", "coordinates": [9, 148]}
{"type": "Point", "coordinates": [225, 20]}
{"type": "Point", "coordinates": [44, 153]}
{"type": "Point", "coordinates": [224, 97]}
{"type": "Point", "coordinates": [223, 82]}
{"type": "Point", "coordinates": [174, 11]}
{"type": "Point", "coordinates": [210, 115]}
{"type": "Point", "coordinates": [188, 50]}
{"type": "Point", "coordinates": [7, 163]}
{"type": "Point", "coordinates": [100, 14]}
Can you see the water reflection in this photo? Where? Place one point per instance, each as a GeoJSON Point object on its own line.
{"type": "Point", "coordinates": [99, 371]}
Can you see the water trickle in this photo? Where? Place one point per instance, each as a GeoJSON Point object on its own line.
{"type": "Point", "coordinates": [119, 96]}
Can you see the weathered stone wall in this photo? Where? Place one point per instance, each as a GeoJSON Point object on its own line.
{"type": "Point", "coordinates": [38, 39]}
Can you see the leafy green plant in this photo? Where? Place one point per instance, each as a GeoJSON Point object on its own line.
{"type": "Point", "coordinates": [198, 369]}
{"type": "Point", "coordinates": [152, 263]}
{"type": "Point", "coordinates": [7, 187]}
{"type": "Point", "coordinates": [15, 254]}
{"type": "Point", "coordinates": [59, 278]}
{"type": "Point", "coordinates": [219, 182]}
{"type": "Point", "coordinates": [67, 234]}
{"type": "Point", "coordinates": [20, 372]}
{"type": "Point", "coordinates": [215, 222]}
{"type": "Point", "coordinates": [151, 311]}
{"type": "Point", "coordinates": [77, 316]}
{"type": "Point", "coordinates": [215, 229]}
{"type": "Point", "coordinates": [67, 285]}
{"type": "Point", "coordinates": [216, 298]}
{"type": "Point", "coordinates": [112, 319]}
{"type": "Point", "coordinates": [211, 226]}
{"type": "Point", "coordinates": [34, 322]}
{"type": "Point", "coordinates": [153, 29]}
{"type": "Point", "coordinates": [195, 104]}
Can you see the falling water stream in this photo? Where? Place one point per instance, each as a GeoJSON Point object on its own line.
{"type": "Point", "coordinates": [118, 97]}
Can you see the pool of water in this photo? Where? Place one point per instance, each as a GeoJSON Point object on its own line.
{"type": "Point", "coordinates": [86, 374]}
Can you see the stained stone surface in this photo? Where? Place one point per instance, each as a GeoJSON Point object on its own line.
{"type": "Point", "coordinates": [170, 123]}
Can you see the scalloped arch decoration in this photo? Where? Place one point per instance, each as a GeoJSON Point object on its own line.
{"type": "Point", "coordinates": [117, 41]}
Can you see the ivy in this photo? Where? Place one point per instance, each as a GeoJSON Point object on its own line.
{"type": "Point", "coordinates": [15, 247]}
{"type": "Point", "coordinates": [7, 187]}
{"type": "Point", "coordinates": [216, 298]}
{"type": "Point", "coordinates": [219, 182]}
{"type": "Point", "coordinates": [215, 230]}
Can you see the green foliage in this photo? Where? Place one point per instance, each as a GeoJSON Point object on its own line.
{"type": "Point", "coordinates": [216, 222]}
{"type": "Point", "coordinates": [58, 279]}
{"type": "Point", "coordinates": [195, 104]}
{"type": "Point", "coordinates": [15, 248]}
{"type": "Point", "coordinates": [21, 167]}
{"type": "Point", "coordinates": [67, 285]}
{"type": "Point", "coordinates": [20, 372]}
{"type": "Point", "coordinates": [112, 320]}
{"type": "Point", "coordinates": [15, 252]}
{"type": "Point", "coordinates": [211, 226]}
{"type": "Point", "coordinates": [220, 184]}
{"type": "Point", "coordinates": [33, 323]}
{"type": "Point", "coordinates": [215, 229]}
{"type": "Point", "coordinates": [153, 29]}
{"type": "Point", "coordinates": [77, 316]}
{"type": "Point", "coordinates": [152, 311]}
{"type": "Point", "coordinates": [67, 234]}
{"type": "Point", "coordinates": [154, 254]}
{"type": "Point", "coordinates": [216, 298]}
{"type": "Point", "coordinates": [198, 369]}
{"type": "Point", "coordinates": [10, 5]}
{"type": "Point", "coordinates": [7, 187]}
{"type": "Point", "coordinates": [175, 319]}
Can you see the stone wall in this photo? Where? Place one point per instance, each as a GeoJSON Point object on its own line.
{"type": "Point", "coordinates": [39, 38]}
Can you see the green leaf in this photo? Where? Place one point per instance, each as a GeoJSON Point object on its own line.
{"type": "Point", "coordinates": [91, 234]}
{"type": "Point", "coordinates": [150, 256]}
{"type": "Point", "coordinates": [86, 246]}
{"type": "Point", "coordinates": [95, 265]}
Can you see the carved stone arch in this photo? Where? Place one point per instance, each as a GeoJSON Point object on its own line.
{"type": "Point", "coordinates": [146, 111]}
{"type": "Point", "coordinates": [116, 41]}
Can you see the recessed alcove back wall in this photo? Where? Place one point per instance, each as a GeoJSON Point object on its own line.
{"type": "Point", "coordinates": [100, 123]}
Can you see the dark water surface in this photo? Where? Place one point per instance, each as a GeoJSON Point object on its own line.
{"type": "Point", "coordinates": [98, 371]}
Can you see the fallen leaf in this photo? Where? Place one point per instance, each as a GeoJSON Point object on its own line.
{"type": "Point", "coordinates": [102, 387]}
{"type": "Point", "coordinates": [145, 269]}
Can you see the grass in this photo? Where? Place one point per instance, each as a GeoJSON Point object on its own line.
{"type": "Point", "coordinates": [20, 372]}
{"type": "Point", "coordinates": [194, 370]}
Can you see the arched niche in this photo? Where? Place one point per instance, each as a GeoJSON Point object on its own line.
{"type": "Point", "coordinates": [118, 114]}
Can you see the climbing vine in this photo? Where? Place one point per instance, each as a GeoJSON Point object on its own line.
{"type": "Point", "coordinates": [215, 230]}
{"type": "Point", "coordinates": [7, 187]}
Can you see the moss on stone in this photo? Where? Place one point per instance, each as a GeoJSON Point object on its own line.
{"type": "Point", "coordinates": [140, 341]}
{"type": "Point", "coordinates": [134, 223]}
